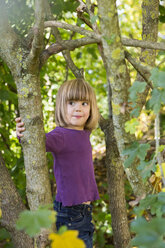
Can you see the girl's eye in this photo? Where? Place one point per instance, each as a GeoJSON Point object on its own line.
{"type": "Point", "coordinates": [85, 103]}
{"type": "Point", "coordinates": [71, 103]}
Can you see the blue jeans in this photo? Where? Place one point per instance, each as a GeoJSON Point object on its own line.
{"type": "Point", "coordinates": [77, 217]}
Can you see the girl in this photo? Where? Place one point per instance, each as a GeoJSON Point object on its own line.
{"type": "Point", "coordinates": [76, 115]}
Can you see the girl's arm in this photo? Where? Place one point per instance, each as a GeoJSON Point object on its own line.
{"type": "Point", "coordinates": [54, 141]}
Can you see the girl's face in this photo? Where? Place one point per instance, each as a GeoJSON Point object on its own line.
{"type": "Point", "coordinates": [77, 114]}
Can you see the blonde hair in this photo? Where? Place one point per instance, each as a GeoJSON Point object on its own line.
{"type": "Point", "coordinates": [78, 90]}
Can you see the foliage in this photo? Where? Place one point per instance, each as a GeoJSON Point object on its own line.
{"type": "Point", "coordinates": [5, 237]}
{"type": "Point", "coordinates": [135, 150]}
{"type": "Point", "coordinates": [102, 222]}
{"type": "Point", "coordinates": [32, 221]}
{"type": "Point", "coordinates": [130, 126]}
{"type": "Point", "coordinates": [150, 233]}
{"type": "Point", "coordinates": [149, 224]}
{"type": "Point", "coordinates": [157, 94]}
{"type": "Point", "coordinates": [162, 13]}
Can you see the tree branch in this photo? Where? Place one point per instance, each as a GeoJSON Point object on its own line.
{"type": "Point", "coordinates": [8, 39]}
{"type": "Point", "coordinates": [38, 29]}
{"type": "Point", "coordinates": [143, 44]}
{"type": "Point", "coordinates": [142, 70]}
{"type": "Point", "coordinates": [97, 37]}
{"type": "Point", "coordinates": [73, 28]}
{"type": "Point", "coordinates": [66, 53]}
{"type": "Point", "coordinates": [64, 45]}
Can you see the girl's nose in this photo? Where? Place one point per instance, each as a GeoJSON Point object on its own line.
{"type": "Point", "coordinates": [78, 107]}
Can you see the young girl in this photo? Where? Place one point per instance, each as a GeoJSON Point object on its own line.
{"type": "Point", "coordinates": [76, 115]}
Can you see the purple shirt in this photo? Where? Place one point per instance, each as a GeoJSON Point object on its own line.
{"type": "Point", "coordinates": [73, 165]}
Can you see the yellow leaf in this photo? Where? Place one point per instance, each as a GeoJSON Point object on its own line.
{"type": "Point", "coordinates": [158, 173]}
{"type": "Point", "coordinates": [0, 213]}
{"type": "Point", "coordinates": [163, 189]}
{"type": "Point", "coordinates": [68, 239]}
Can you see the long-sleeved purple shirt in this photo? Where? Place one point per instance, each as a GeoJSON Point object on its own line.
{"type": "Point", "coordinates": [73, 165]}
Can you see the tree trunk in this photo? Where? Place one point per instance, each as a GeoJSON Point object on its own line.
{"type": "Point", "coordinates": [120, 83]}
{"type": "Point", "coordinates": [30, 106]}
{"type": "Point", "coordinates": [11, 205]}
{"type": "Point", "coordinates": [150, 13]}
{"type": "Point", "coordinates": [115, 177]}
{"type": "Point", "coordinates": [24, 66]}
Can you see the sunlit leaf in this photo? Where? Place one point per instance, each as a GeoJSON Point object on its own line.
{"type": "Point", "coordinates": [130, 126]}
{"type": "Point", "coordinates": [32, 221]}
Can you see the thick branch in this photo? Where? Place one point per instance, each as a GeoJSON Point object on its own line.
{"type": "Point", "coordinates": [8, 41]}
{"type": "Point", "coordinates": [38, 30]}
{"type": "Point", "coordinates": [143, 44]}
{"type": "Point", "coordinates": [64, 45]}
{"type": "Point", "coordinates": [97, 37]}
{"type": "Point", "coordinates": [11, 205]}
{"type": "Point", "coordinates": [73, 28]}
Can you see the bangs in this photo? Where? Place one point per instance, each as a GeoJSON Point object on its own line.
{"type": "Point", "coordinates": [78, 91]}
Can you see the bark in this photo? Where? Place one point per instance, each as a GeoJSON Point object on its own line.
{"type": "Point", "coordinates": [120, 83]}
{"type": "Point", "coordinates": [115, 177]}
{"type": "Point", "coordinates": [11, 205]}
{"type": "Point", "coordinates": [150, 13]}
{"type": "Point", "coordinates": [33, 143]}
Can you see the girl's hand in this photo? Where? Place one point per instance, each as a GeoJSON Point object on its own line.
{"type": "Point", "coordinates": [19, 127]}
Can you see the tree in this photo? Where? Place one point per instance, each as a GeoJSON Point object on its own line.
{"type": "Point", "coordinates": [26, 53]}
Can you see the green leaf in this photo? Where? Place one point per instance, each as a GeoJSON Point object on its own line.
{"type": "Point", "coordinates": [110, 40]}
{"type": "Point", "coordinates": [135, 112]}
{"type": "Point", "coordinates": [8, 95]}
{"type": "Point", "coordinates": [94, 19]}
{"type": "Point", "coordinates": [146, 167]}
{"type": "Point", "coordinates": [62, 229]}
{"type": "Point", "coordinates": [162, 18]}
{"type": "Point", "coordinates": [137, 87]}
{"type": "Point", "coordinates": [148, 234]}
{"type": "Point", "coordinates": [135, 150]}
{"type": "Point", "coordinates": [158, 78]}
{"type": "Point", "coordinates": [130, 126]}
{"type": "Point", "coordinates": [155, 203]}
{"type": "Point", "coordinates": [162, 10]}
{"type": "Point", "coordinates": [4, 234]}
{"type": "Point", "coordinates": [161, 148]}
{"type": "Point", "coordinates": [157, 97]}
{"type": "Point", "coordinates": [32, 221]}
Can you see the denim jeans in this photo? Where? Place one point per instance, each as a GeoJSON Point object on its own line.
{"type": "Point", "coordinates": [77, 217]}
